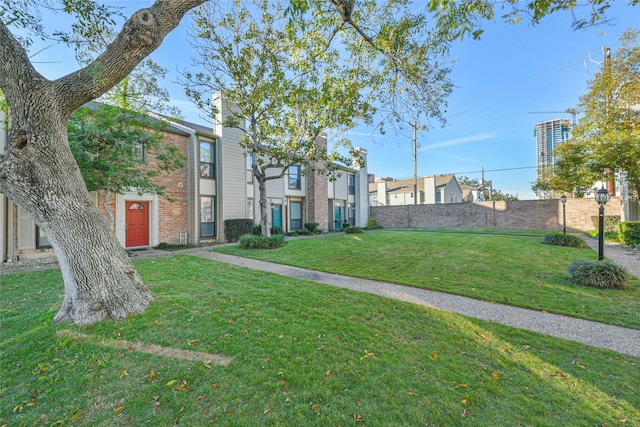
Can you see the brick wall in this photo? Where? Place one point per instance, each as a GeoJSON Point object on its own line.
{"type": "Point", "coordinates": [172, 215]}
{"type": "Point", "coordinates": [526, 214]}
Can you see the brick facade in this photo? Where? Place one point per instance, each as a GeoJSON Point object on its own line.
{"type": "Point", "coordinates": [525, 214]}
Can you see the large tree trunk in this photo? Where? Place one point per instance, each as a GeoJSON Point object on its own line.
{"type": "Point", "coordinates": [38, 171]}
{"type": "Point", "coordinates": [100, 280]}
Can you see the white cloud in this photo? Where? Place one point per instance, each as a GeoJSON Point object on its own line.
{"type": "Point", "coordinates": [461, 140]}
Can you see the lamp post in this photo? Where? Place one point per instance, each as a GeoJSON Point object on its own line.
{"type": "Point", "coordinates": [602, 197]}
{"type": "Point", "coordinates": [563, 199]}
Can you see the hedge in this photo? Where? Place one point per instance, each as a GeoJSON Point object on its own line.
{"type": "Point", "coordinates": [234, 228]}
{"type": "Point", "coordinates": [629, 233]}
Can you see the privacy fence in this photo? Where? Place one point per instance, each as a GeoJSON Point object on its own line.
{"type": "Point", "coordinates": [581, 214]}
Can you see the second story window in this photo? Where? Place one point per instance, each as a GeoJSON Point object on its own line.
{"type": "Point", "coordinates": [140, 153]}
{"type": "Point", "coordinates": [249, 168]}
{"type": "Point", "coordinates": [351, 183]}
{"type": "Point", "coordinates": [207, 159]}
{"type": "Point", "coordinates": [294, 177]}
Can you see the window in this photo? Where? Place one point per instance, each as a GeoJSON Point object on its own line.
{"type": "Point", "coordinates": [296, 215]}
{"type": "Point", "coordinates": [207, 215]}
{"type": "Point", "coordinates": [438, 197]}
{"type": "Point", "coordinates": [250, 208]}
{"type": "Point", "coordinates": [42, 241]}
{"type": "Point", "coordinates": [139, 153]}
{"type": "Point", "coordinates": [206, 159]}
{"type": "Point", "coordinates": [294, 177]}
{"type": "Point", "coordinates": [351, 212]}
{"type": "Point", "coordinates": [351, 183]}
{"type": "Point", "coordinates": [249, 168]}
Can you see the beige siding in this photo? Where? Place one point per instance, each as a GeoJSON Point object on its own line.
{"type": "Point", "coordinates": [341, 187]}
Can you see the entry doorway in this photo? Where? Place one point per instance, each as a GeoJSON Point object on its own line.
{"type": "Point", "coordinates": [137, 224]}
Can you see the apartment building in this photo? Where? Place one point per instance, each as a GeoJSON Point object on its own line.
{"type": "Point", "coordinates": [214, 185]}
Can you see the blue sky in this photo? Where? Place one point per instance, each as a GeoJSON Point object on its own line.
{"type": "Point", "coordinates": [502, 82]}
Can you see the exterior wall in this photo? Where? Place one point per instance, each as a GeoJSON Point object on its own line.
{"type": "Point", "coordinates": [231, 163]}
{"type": "Point", "coordinates": [452, 193]}
{"type": "Point", "coordinates": [430, 190]}
{"type": "Point", "coordinates": [362, 191]}
{"type": "Point", "coordinates": [173, 215]}
{"type": "Point", "coordinates": [318, 187]}
{"type": "Point", "coordinates": [526, 214]}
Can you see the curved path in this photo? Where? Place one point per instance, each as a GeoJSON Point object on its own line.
{"type": "Point", "coordinates": [622, 340]}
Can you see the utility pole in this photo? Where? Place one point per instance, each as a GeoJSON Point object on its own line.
{"type": "Point", "coordinates": [415, 163]}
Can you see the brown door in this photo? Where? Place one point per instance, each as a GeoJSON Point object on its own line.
{"type": "Point", "coordinates": [137, 227]}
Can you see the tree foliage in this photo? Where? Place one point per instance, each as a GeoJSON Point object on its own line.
{"type": "Point", "coordinates": [607, 136]}
{"type": "Point", "coordinates": [462, 18]}
{"type": "Point", "coordinates": [119, 150]}
{"type": "Point", "coordinates": [289, 81]}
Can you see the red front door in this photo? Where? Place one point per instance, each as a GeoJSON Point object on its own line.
{"type": "Point", "coordinates": [137, 227]}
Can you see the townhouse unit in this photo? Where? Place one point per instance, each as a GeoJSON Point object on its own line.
{"type": "Point", "coordinates": [215, 184]}
{"type": "Point", "coordinates": [431, 189]}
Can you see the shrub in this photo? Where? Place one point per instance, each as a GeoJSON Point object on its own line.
{"type": "Point", "coordinates": [560, 239]}
{"type": "Point", "coordinates": [372, 227]}
{"type": "Point", "coordinates": [629, 233]}
{"type": "Point", "coordinates": [353, 230]}
{"type": "Point", "coordinates": [610, 222]}
{"type": "Point", "coordinates": [251, 241]}
{"type": "Point", "coordinates": [311, 227]}
{"type": "Point", "coordinates": [257, 230]}
{"type": "Point", "coordinates": [608, 236]}
{"type": "Point", "coordinates": [234, 228]}
{"type": "Point", "coordinates": [597, 274]}
{"type": "Point", "coordinates": [294, 233]}
{"type": "Point", "coordinates": [174, 246]}
{"type": "Point", "coordinates": [371, 222]}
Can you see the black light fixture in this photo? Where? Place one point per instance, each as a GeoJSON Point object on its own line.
{"type": "Point", "coordinates": [602, 197]}
{"type": "Point", "coordinates": [563, 199]}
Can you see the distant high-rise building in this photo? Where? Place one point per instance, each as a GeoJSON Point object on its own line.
{"type": "Point", "coordinates": [549, 135]}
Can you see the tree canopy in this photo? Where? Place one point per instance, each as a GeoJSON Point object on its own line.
{"type": "Point", "coordinates": [607, 135]}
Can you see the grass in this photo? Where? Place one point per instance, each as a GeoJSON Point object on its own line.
{"type": "Point", "coordinates": [301, 354]}
{"type": "Point", "coordinates": [508, 269]}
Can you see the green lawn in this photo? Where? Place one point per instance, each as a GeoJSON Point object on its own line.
{"type": "Point", "coordinates": [302, 354]}
{"type": "Point", "coordinates": [508, 269]}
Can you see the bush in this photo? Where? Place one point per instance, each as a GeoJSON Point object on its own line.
{"type": "Point", "coordinates": [257, 230]}
{"type": "Point", "coordinates": [234, 228]}
{"type": "Point", "coordinates": [251, 241]}
{"type": "Point", "coordinates": [372, 227]}
{"type": "Point", "coordinates": [174, 246]}
{"type": "Point", "coordinates": [353, 230]}
{"type": "Point", "coordinates": [610, 222]}
{"type": "Point", "coordinates": [311, 227]}
{"type": "Point", "coordinates": [629, 233]}
{"type": "Point", "coordinates": [371, 222]}
{"type": "Point", "coordinates": [597, 274]}
{"type": "Point", "coordinates": [560, 239]}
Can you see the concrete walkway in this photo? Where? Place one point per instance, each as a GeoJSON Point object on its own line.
{"type": "Point", "coordinates": [622, 340]}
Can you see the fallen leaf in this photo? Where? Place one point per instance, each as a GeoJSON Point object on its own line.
{"type": "Point", "coordinates": [118, 409]}
{"type": "Point", "coordinates": [170, 383]}
{"type": "Point", "coordinates": [152, 374]}
{"type": "Point", "coordinates": [315, 408]}
{"type": "Point", "coordinates": [181, 410]}
{"type": "Point", "coordinates": [495, 375]}
{"type": "Point", "coordinates": [462, 386]}
{"type": "Point", "coordinates": [327, 373]}
{"type": "Point", "coordinates": [266, 411]}
{"type": "Point", "coordinates": [76, 416]}
{"type": "Point", "coordinates": [464, 401]}
{"type": "Point", "coordinates": [435, 356]}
